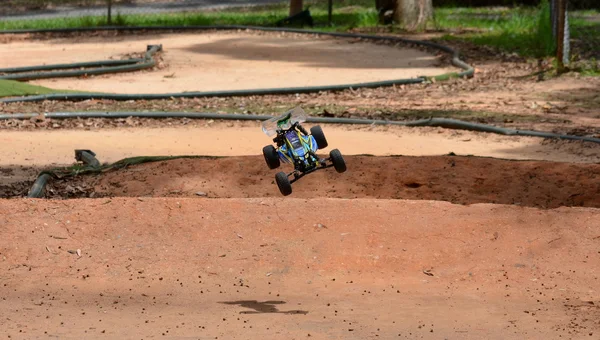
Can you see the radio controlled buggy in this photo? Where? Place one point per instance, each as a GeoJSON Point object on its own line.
{"type": "Point", "coordinates": [297, 147]}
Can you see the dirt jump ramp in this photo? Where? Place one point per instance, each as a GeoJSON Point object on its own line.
{"type": "Point", "coordinates": [461, 180]}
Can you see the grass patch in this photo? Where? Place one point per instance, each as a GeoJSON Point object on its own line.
{"type": "Point", "coordinates": [12, 88]}
{"type": "Point", "coordinates": [342, 21]}
{"type": "Point", "coordinates": [526, 31]}
{"type": "Point", "coordinates": [347, 14]}
{"type": "Point", "coordinates": [522, 30]}
{"type": "Point", "coordinates": [590, 72]}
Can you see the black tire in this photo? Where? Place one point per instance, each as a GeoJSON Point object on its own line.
{"type": "Point", "coordinates": [338, 160]}
{"type": "Point", "coordinates": [317, 132]}
{"type": "Point", "coordinates": [271, 157]}
{"type": "Point", "coordinates": [283, 182]}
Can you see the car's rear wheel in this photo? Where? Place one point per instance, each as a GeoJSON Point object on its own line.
{"type": "Point", "coordinates": [283, 183]}
{"type": "Point", "coordinates": [317, 132]}
{"type": "Point", "coordinates": [338, 160]}
{"type": "Point", "coordinates": [271, 157]}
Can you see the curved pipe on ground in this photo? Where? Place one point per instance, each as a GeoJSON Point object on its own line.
{"type": "Point", "coordinates": [38, 189]}
{"type": "Point", "coordinates": [121, 66]}
{"type": "Point", "coordinates": [100, 63]}
{"type": "Point", "coordinates": [87, 157]}
{"type": "Point", "coordinates": [39, 186]}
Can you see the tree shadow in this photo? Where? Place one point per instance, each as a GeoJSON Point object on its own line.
{"type": "Point", "coordinates": [585, 38]}
{"type": "Point", "coordinates": [312, 53]}
{"type": "Point", "coordinates": [583, 97]}
{"type": "Point", "coordinates": [265, 307]}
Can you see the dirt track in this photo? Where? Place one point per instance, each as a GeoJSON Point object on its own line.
{"type": "Point", "coordinates": [374, 269]}
{"type": "Point", "coordinates": [43, 148]}
{"type": "Point", "coordinates": [226, 61]}
{"type": "Point", "coordinates": [379, 259]}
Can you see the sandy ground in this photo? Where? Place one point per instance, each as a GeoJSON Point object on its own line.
{"type": "Point", "coordinates": [352, 269]}
{"type": "Point", "coordinates": [224, 61]}
{"type": "Point", "coordinates": [42, 147]}
{"type": "Point", "coordinates": [241, 262]}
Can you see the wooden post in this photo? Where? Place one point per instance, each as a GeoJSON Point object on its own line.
{"type": "Point", "coordinates": [109, 16]}
{"type": "Point", "coordinates": [560, 36]}
{"type": "Point", "coordinates": [296, 6]}
{"type": "Point", "coordinates": [330, 8]}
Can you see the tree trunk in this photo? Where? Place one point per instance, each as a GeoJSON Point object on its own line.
{"type": "Point", "coordinates": [296, 6]}
{"type": "Point", "coordinates": [560, 38]}
{"type": "Point", "coordinates": [109, 14]}
{"type": "Point", "coordinates": [413, 14]}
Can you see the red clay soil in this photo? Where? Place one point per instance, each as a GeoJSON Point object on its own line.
{"type": "Point", "coordinates": [296, 269]}
{"type": "Point", "coordinates": [462, 180]}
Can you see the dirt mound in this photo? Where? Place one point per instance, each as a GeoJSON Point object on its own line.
{"type": "Point", "coordinates": [462, 180]}
{"type": "Point", "coordinates": [265, 269]}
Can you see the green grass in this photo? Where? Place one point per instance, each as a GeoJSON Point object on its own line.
{"type": "Point", "coordinates": [523, 30]}
{"type": "Point", "coordinates": [589, 72]}
{"type": "Point", "coordinates": [342, 21]}
{"type": "Point", "coordinates": [590, 67]}
{"type": "Point", "coordinates": [11, 88]}
{"type": "Point", "coordinates": [347, 14]}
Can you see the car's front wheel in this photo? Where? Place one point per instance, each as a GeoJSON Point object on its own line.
{"type": "Point", "coordinates": [283, 183]}
{"type": "Point", "coordinates": [338, 160]}
{"type": "Point", "coordinates": [271, 157]}
{"type": "Point", "coordinates": [317, 132]}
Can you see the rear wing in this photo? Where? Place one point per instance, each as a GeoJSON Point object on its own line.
{"type": "Point", "coordinates": [284, 122]}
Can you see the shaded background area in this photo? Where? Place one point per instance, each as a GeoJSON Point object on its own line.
{"type": "Point", "coordinates": [314, 53]}
{"type": "Point", "coordinates": [45, 9]}
{"type": "Point", "coordinates": [48, 9]}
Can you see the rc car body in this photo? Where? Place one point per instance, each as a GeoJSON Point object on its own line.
{"type": "Point", "coordinates": [297, 147]}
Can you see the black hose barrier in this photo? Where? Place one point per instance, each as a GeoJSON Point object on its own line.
{"type": "Point", "coordinates": [432, 122]}
{"type": "Point", "coordinates": [468, 70]}
{"type": "Point", "coordinates": [110, 66]}
{"type": "Point", "coordinates": [87, 157]}
{"type": "Point", "coordinates": [101, 63]}
{"type": "Point", "coordinates": [39, 186]}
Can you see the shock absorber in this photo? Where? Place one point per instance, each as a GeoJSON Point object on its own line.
{"type": "Point", "coordinates": [301, 128]}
